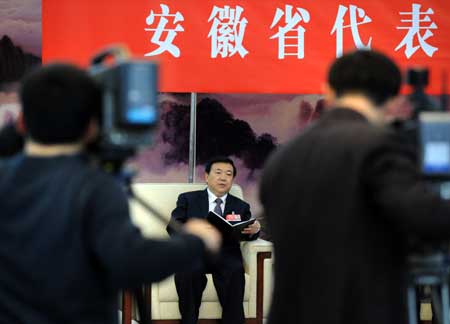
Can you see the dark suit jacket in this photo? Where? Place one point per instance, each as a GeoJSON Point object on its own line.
{"type": "Point", "coordinates": [67, 243]}
{"type": "Point", "coordinates": [341, 200]}
{"type": "Point", "coordinates": [195, 204]}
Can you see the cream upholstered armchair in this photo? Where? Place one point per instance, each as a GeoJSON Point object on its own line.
{"type": "Point", "coordinates": [163, 296]}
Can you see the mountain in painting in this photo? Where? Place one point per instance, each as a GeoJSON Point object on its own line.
{"type": "Point", "coordinates": [14, 62]}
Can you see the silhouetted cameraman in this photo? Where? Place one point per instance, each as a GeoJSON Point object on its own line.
{"type": "Point", "coordinates": [67, 244]}
{"type": "Point", "coordinates": [342, 200]}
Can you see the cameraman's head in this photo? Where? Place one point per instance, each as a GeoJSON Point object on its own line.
{"type": "Point", "coordinates": [366, 74]}
{"type": "Point", "coordinates": [60, 104]}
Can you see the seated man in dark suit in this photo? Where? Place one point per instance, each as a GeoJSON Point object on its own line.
{"type": "Point", "coordinates": [228, 271]}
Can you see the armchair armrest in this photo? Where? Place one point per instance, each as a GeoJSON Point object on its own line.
{"type": "Point", "coordinates": [254, 253]}
{"type": "Point", "coordinates": [249, 251]}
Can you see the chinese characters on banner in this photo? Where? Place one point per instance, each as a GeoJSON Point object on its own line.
{"type": "Point", "coordinates": [244, 46]}
{"type": "Point", "coordinates": [418, 20]}
{"type": "Point", "coordinates": [228, 30]}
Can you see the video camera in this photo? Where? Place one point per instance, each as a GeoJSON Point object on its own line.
{"type": "Point", "coordinates": [428, 130]}
{"type": "Point", "coordinates": [128, 118]}
{"type": "Point", "coordinates": [431, 125]}
{"type": "Point", "coordinates": [129, 112]}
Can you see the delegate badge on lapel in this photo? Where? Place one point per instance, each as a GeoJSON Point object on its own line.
{"type": "Point", "coordinates": [233, 217]}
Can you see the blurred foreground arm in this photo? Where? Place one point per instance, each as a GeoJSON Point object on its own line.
{"type": "Point", "coordinates": [205, 231]}
{"type": "Point", "coordinates": [126, 257]}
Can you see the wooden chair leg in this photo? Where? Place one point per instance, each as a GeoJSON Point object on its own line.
{"type": "Point", "coordinates": [260, 285]}
{"type": "Point", "coordinates": [127, 307]}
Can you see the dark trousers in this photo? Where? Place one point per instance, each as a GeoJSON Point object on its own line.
{"type": "Point", "coordinates": [229, 281]}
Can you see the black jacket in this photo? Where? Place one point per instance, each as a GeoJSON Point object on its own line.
{"type": "Point", "coordinates": [341, 200]}
{"type": "Point", "coordinates": [67, 244]}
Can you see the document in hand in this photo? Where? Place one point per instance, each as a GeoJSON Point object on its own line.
{"type": "Point", "coordinates": [227, 228]}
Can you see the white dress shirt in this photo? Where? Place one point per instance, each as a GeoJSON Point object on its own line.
{"type": "Point", "coordinates": [212, 201]}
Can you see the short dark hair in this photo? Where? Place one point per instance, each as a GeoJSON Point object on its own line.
{"type": "Point", "coordinates": [366, 72]}
{"type": "Point", "coordinates": [220, 159]}
{"type": "Point", "coordinates": [58, 101]}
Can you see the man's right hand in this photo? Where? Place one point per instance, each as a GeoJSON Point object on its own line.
{"type": "Point", "coordinates": [204, 230]}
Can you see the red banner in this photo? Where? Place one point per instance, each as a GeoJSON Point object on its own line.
{"type": "Point", "coordinates": [249, 46]}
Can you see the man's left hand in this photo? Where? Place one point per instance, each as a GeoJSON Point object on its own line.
{"type": "Point", "coordinates": [252, 228]}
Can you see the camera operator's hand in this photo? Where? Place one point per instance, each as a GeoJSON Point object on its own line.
{"type": "Point", "coordinates": [208, 233]}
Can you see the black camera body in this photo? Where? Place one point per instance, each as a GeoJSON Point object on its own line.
{"type": "Point", "coordinates": [432, 129]}
{"type": "Point", "coordinates": [434, 149]}
{"type": "Point", "coordinates": [129, 112]}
